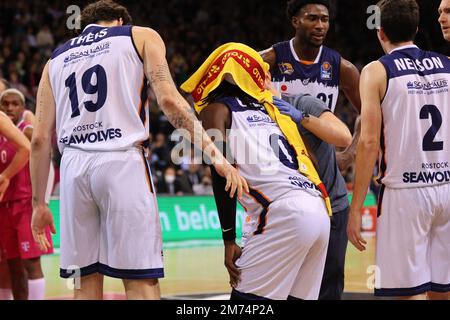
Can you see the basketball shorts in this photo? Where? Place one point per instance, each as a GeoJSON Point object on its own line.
{"type": "Point", "coordinates": [287, 259]}
{"type": "Point", "coordinates": [109, 216]}
{"type": "Point", "coordinates": [15, 231]}
{"type": "Point", "coordinates": [413, 241]}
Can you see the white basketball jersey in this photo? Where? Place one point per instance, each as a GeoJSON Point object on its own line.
{"type": "Point", "coordinates": [263, 155]}
{"type": "Point", "coordinates": [100, 91]}
{"type": "Point", "coordinates": [415, 139]}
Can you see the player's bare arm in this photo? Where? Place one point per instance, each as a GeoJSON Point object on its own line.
{"type": "Point", "coordinates": [347, 157]}
{"type": "Point", "coordinates": [41, 158]}
{"type": "Point", "coordinates": [217, 116]}
{"type": "Point", "coordinates": [328, 128]}
{"type": "Point", "coordinates": [269, 56]}
{"type": "Point", "coordinates": [175, 107]}
{"type": "Point", "coordinates": [349, 83]}
{"type": "Point", "coordinates": [22, 147]}
{"type": "Point", "coordinates": [373, 88]}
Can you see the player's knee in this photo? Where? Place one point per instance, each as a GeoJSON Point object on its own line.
{"type": "Point", "coordinates": [34, 269]}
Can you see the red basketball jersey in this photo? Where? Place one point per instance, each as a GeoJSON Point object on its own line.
{"type": "Point", "coordinates": [20, 185]}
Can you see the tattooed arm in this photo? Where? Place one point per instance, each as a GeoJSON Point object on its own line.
{"type": "Point", "coordinates": [152, 50]}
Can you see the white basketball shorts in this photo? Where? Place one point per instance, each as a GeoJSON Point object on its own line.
{"type": "Point", "coordinates": [286, 257]}
{"type": "Point", "coordinates": [109, 216]}
{"type": "Point", "coordinates": [413, 241]}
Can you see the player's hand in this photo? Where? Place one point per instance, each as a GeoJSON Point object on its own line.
{"type": "Point", "coordinates": [232, 253]}
{"type": "Point", "coordinates": [234, 179]}
{"type": "Point", "coordinates": [288, 110]}
{"type": "Point", "coordinates": [4, 184]}
{"type": "Point", "coordinates": [42, 217]}
{"type": "Point", "coordinates": [354, 230]}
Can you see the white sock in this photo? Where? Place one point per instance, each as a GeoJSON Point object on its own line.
{"type": "Point", "coordinates": [5, 294]}
{"type": "Point", "coordinates": [36, 289]}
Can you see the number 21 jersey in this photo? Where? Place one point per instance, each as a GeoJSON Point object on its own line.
{"type": "Point", "coordinates": [319, 79]}
{"type": "Point", "coordinates": [415, 135]}
{"type": "Point", "coordinates": [100, 91]}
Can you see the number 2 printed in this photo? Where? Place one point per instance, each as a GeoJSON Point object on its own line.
{"type": "Point", "coordinates": [428, 143]}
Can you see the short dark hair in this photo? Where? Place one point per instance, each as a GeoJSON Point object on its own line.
{"type": "Point", "coordinates": [104, 10]}
{"type": "Point", "coordinates": [294, 6]}
{"type": "Point", "coordinates": [399, 19]}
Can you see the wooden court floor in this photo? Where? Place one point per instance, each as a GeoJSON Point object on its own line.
{"type": "Point", "coordinates": [198, 269]}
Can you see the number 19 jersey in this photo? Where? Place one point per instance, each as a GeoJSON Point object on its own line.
{"type": "Point", "coordinates": [415, 137]}
{"type": "Point", "coordinates": [100, 91]}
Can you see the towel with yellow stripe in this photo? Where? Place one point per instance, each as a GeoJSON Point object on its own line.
{"type": "Point", "coordinates": [249, 71]}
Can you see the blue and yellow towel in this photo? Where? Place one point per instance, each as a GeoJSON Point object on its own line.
{"type": "Point", "coordinates": [248, 71]}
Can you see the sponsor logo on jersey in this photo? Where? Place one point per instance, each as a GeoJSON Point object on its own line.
{"type": "Point", "coordinates": [426, 177]}
{"type": "Point", "coordinates": [326, 71]}
{"type": "Point", "coordinates": [256, 118]}
{"type": "Point", "coordinates": [93, 137]}
{"type": "Point", "coordinates": [25, 246]}
{"type": "Point", "coordinates": [436, 84]}
{"type": "Point", "coordinates": [286, 68]}
{"type": "Point", "coordinates": [87, 53]}
{"type": "Point", "coordinates": [302, 183]}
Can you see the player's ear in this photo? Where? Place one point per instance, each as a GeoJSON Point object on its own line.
{"type": "Point", "coordinates": [381, 35]}
{"type": "Point", "coordinates": [120, 22]}
{"type": "Point", "coordinates": [295, 21]}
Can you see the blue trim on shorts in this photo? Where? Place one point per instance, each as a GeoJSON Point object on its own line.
{"type": "Point", "coordinates": [114, 273]}
{"type": "Point", "coordinates": [237, 295]}
{"type": "Point", "coordinates": [404, 292]}
{"type": "Point", "coordinates": [441, 288]}
{"type": "Point", "coordinates": [85, 271]}
{"type": "Point", "coordinates": [131, 273]}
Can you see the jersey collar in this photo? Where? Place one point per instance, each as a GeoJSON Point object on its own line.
{"type": "Point", "coordinates": [92, 25]}
{"type": "Point", "coordinates": [291, 44]}
{"type": "Point", "coordinates": [409, 46]}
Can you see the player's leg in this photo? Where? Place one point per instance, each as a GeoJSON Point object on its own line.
{"type": "Point", "coordinates": [332, 285]}
{"type": "Point", "coordinates": [11, 247]}
{"type": "Point", "coordinates": [90, 287]}
{"type": "Point", "coordinates": [308, 281]}
{"type": "Point", "coordinates": [131, 240]}
{"type": "Point", "coordinates": [440, 250]}
{"type": "Point", "coordinates": [403, 242]}
{"type": "Point", "coordinates": [30, 251]}
{"type": "Point", "coordinates": [142, 289]}
{"type": "Point", "coordinates": [431, 295]}
{"type": "Point", "coordinates": [79, 226]}
{"type": "Point", "coordinates": [5, 279]}
{"type": "Point", "coordinates": [36, 281]}
{"type": "Point", "coordinates": [19, 279]}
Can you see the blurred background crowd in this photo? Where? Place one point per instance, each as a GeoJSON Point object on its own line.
{"type": "Point", "coordinates": [191, 29]}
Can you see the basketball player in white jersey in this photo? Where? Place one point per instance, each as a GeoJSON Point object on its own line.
{"type": "Point", "coordinates": [405, 100]}
{"type": "Point", "coordinates": [444, 18]}
{"type": "Point", "coordinates": [94, 89]}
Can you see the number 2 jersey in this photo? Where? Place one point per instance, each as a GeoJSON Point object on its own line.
{"type": "Point", "coordinates": [319, 79]}
{"type": "Point", "coordinates": [100, 91]}
{"type": "Point", "coordinates": [415, 136]}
